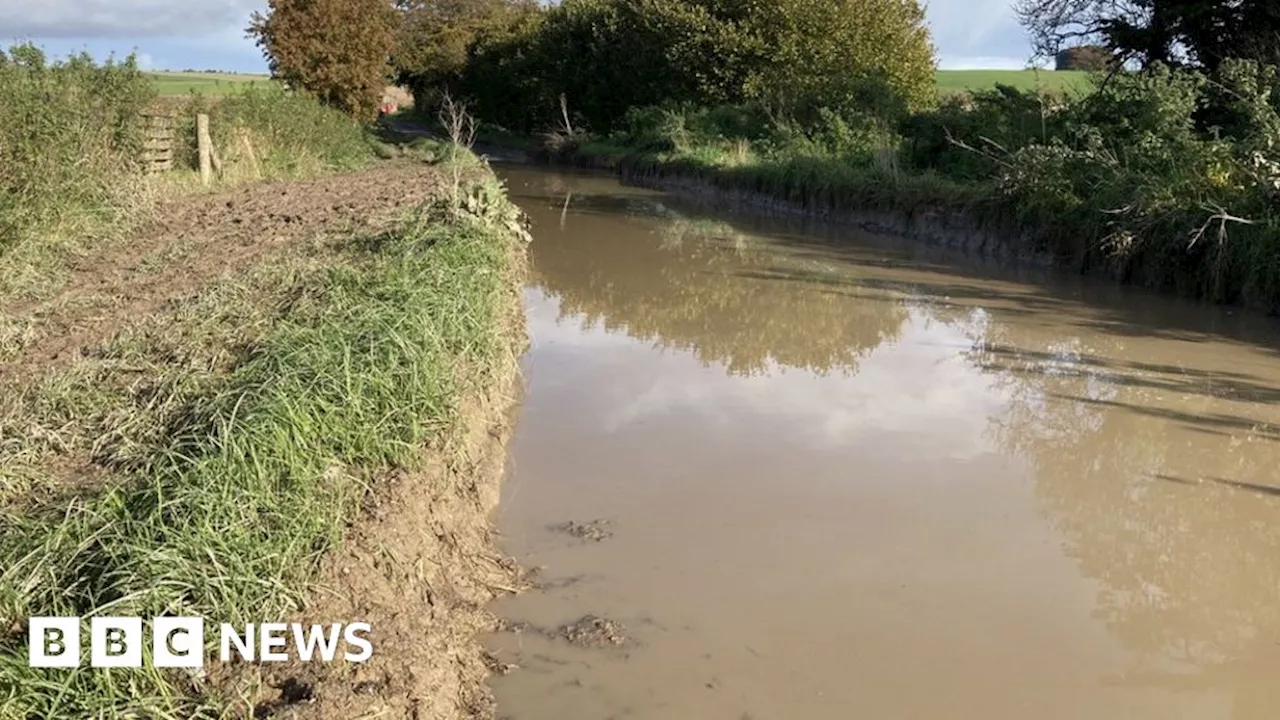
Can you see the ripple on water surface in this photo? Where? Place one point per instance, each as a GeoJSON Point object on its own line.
{"type": "Point", "coordinates": [869, 480]}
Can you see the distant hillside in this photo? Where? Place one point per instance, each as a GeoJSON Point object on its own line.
{"type": "Point", "coordinates": [202, 83]}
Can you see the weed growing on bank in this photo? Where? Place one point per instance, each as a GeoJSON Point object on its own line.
{"type": "Point", "coordinates": [228, 489]}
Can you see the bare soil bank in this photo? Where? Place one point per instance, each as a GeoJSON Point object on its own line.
{"type": "Point", "coordinates": [419, 567]}
{"type": "Point", "coordinates": [937, 226]}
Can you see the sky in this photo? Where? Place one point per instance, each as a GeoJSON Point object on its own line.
{"type": "Point", "coordinates": [209, 34]}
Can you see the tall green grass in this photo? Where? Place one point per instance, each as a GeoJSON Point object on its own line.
{"type": "Point", "coordinates": [228, 513]}
{"type": "Point", "coordinates": [291, 134]}
{"type": "Point", "coordinates": [70, 140]}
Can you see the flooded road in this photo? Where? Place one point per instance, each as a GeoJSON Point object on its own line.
{"type": "Point", "coordinates": [866, 480]}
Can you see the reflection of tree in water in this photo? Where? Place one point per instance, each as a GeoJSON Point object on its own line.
{"type": "Point", "coordinates": [1112, 424]}
{"type": "Point", "coordinates": [1190, 576]}
{"type": "Point", "coordinates": [700, 286]}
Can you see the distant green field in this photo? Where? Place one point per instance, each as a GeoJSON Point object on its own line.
{"type": "Point", "coordinates": [949, 81]}
{"type": "Point", "coordinates": [954, 81]}
{"type": "Point", "coordinates": [184, 83]}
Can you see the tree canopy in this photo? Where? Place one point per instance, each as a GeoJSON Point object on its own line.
{"type": "Point", "coordinates": [1199, 32]}
{"type": "Point", "coordinates": [436, 35]}
{"type": "Point", "coordinates": [1091, 58]}
{"type": "Point", "coordinates": [338, 49]}
{"type": "Point", "coordinates": [609, 56]}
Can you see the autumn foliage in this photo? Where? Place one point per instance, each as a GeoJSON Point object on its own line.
{"type": "Point", "coordinates": [338, 49]}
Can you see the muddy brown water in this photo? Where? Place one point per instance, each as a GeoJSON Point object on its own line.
{"type": "Point", "coordinates": [839, 476]}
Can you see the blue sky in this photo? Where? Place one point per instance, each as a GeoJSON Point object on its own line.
{"type": "Point", "coordinates": [209, 34]}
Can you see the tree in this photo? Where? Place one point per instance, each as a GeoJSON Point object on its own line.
{"type": "Point", "coordinates": [873, 55]}
{"type": "Point", "coordinates": [1199, 32]}
{"type": "Point", "coordinates": [437, 35]}
{"type": "Point", "coordinates": [337, 49]}
{"type": "Point", "coordinates": [1090, 58]}
{"type": "Point", "coordinates": [608, 56]}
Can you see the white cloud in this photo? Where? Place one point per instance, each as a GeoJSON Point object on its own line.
{"type": "Point", "coordinates": [986, 62]}
{"type": "Point", "coordinates": [978, 34]}
{"type": "Point", "coordinates": [123, 18]}
{"type": "Point", "coordinates": [919, 388]}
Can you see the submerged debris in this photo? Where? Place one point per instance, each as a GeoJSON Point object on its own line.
{"type": "Point", "coordinates": [595, 531]}
{"type": "Point", "coordinates": [594, 632]}
{"type": "Point", "coordinates": [496, 666]}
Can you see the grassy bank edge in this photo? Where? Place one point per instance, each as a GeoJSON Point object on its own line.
{"type": "Point", "coordinates": [230, 515]}
{"type": "Point", "coordinates": [924, 206]}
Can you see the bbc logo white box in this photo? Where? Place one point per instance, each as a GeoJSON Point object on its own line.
{"type": "Point", "coordinates": [54, 642]}
{"type": "Point", "coordinates": [177, 642]}
{"type": "Point", "coordinates": [115, 642]}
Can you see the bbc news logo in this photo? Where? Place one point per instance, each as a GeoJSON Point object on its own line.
{"type": "Point", "coordinates": [178, 642]}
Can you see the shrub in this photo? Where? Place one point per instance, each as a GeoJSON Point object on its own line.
{"type": "Point", "coordinates": [70, 140]}
{"type": "Point", "coordinates": [680, 128]}
{"type": "Point", "coordinates": [504, 76]}
{"type": "Point", "coordinates": [851, 137]}
{"type": "Point", "coordinates": [1165, 202]}
{"type": "Point", "coordinates": [865, 55]}
{"type": "Point", "coordinates": [437, 36]}
{"type": "Point", "coordinates": [965, 136]}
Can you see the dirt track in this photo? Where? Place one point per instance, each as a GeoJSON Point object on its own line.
{"type": "Point", "coordinates": [197, 239]}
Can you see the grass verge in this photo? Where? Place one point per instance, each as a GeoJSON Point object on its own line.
{"type": "Point", "coordinates": [231, 495]}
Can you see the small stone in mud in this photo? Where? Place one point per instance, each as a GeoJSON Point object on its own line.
{"type": "Point", "coordinates": [595, 531]}
{"type": "Point", "coordinates": [594, 632]}
{"type": "Point", "coordinates": [369, 687]}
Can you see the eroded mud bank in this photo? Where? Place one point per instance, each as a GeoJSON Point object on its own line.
{"type": "Point", "coordinates": [943, 227]}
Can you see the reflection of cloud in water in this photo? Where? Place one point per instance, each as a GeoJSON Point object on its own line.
{"type": "Point", "coordinates": [920, 386]}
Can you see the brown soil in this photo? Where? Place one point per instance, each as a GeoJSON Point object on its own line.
{"type": "Point", "coordinates": [420, 570]}
{"type": "Point", "coordinates": [209, 236]}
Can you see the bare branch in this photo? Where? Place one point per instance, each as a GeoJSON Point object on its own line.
{"type": "Point", "coordinates": [457, 122]}
{"type": "Point", "coordinates": [1222, 217]}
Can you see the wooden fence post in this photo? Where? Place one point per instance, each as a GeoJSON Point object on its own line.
{"type": "Point", "coordinates": [206, 148]}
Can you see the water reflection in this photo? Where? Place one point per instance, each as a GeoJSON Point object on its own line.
{"type": "Point", "coordinates": [1147, 430]}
